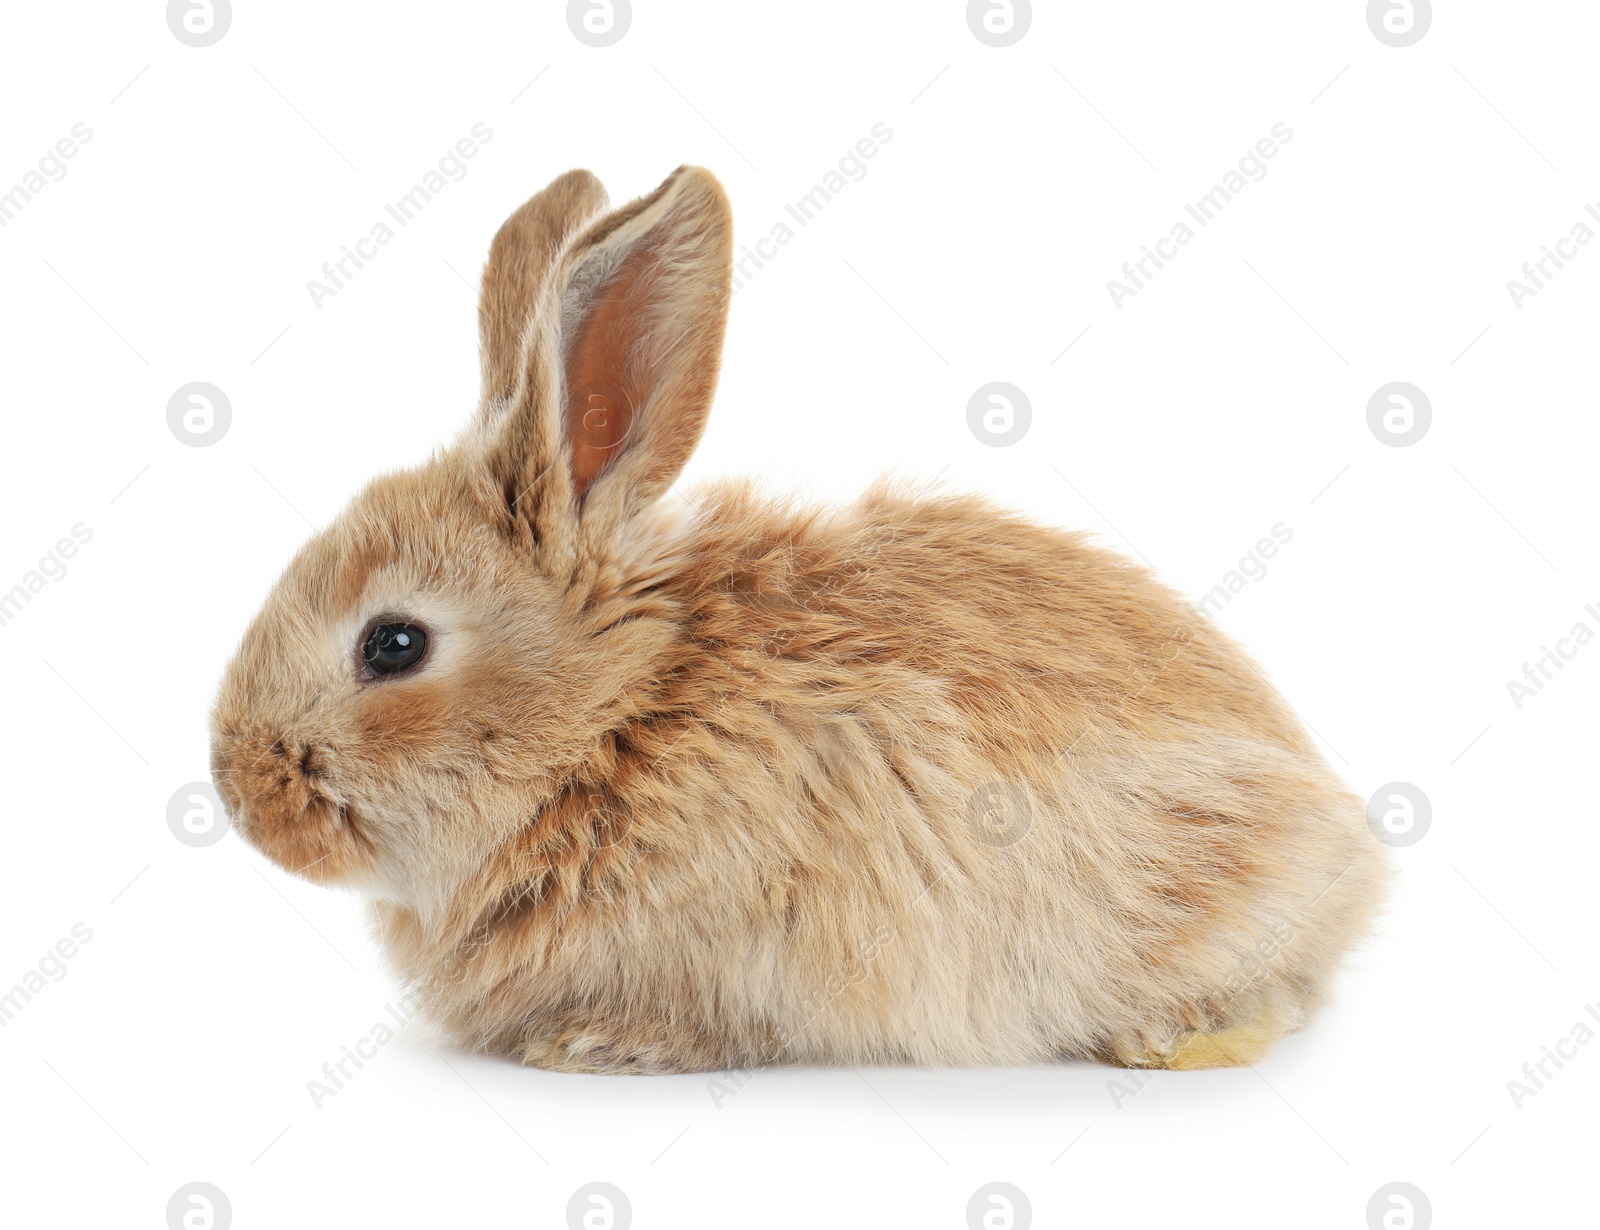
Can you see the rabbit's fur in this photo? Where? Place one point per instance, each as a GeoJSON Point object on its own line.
{"type": "Point", "coordinates": [720, 782]}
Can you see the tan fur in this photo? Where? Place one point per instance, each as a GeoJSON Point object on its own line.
{"type": "Point", "coordinates": [909, 781]}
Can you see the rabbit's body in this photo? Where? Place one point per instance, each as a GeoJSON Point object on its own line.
{"type": "Point", "coordinates": [908, 782]}
{"type": "Point", "coordinates": [728, 784]}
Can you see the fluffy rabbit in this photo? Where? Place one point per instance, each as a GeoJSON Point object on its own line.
{"type": "Point", "coordinates": [647, 785]}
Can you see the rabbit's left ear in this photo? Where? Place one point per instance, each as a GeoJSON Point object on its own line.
{"type": "Point", "coordinates": [622, 362]}
{"type": "Point", "coordinates": [524, 250]}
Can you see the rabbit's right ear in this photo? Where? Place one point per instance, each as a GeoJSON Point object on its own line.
{"type": "Point", "coordinates": [524, 250]}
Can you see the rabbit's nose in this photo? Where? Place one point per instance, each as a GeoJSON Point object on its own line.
{"type": "Point", "coordinates": [252, 766]}
{"type": "Point", "coordinates": [314, 759]}
{"type": "Point", "coordinates": [271, 751]}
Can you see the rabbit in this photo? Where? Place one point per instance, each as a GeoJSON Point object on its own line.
{"type": "Point", "coordinates": [647, 784]}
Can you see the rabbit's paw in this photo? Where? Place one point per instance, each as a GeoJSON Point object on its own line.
{"type": "Point", "coordinates": [588, 1049]}
{"type": "Point", "coordinates": [1261, 1021]}
{"type": "Point", "coordinates": [1233, 1047]}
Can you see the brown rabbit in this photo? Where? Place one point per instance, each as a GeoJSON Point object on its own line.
{"type": "Point", "coordinates": [652, 786]}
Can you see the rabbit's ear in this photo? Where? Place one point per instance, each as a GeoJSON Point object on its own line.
{"type": "Point", "coordinates": [623, 360]}
{"type": "Point", "coordinates": [520, 258]}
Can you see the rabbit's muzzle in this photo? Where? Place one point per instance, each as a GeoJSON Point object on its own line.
{"type": "Point", "coordinates": [281, 797]}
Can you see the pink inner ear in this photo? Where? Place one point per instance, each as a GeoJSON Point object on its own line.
{"type": "Point", "coordinates": [604, 389]}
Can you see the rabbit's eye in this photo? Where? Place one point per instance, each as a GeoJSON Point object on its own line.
{"type": "Point", "coordinates": [392, 648]}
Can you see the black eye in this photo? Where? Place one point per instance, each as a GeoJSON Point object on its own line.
{"type": "Point", "coordinates": [393, 648]}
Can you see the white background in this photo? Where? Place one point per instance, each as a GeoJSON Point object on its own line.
{"type": "Point", "coordinates": [1228, 396]}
